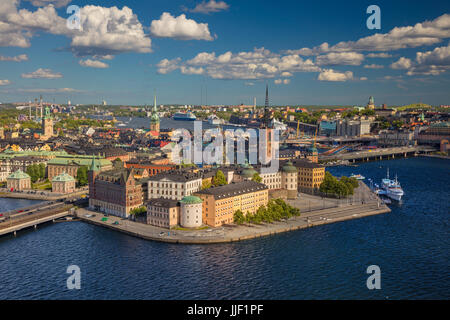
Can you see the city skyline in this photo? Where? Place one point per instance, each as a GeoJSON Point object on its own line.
{"type": "Point", "coordinates": [225, 52]}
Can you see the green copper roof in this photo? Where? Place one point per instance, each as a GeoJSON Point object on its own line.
{"type": "Point", "coordinates": [248, 171]}
{"type": "Point", "coordinates": [19, 174]}
{"type": "Point", "coordinates": [95, 165]}
{"type": "Point", "coordinates": [289, 167]}
{"type": "Point", "coordinates": [191, 200]}
{"type": "Point", "coordinates": [65, 177]}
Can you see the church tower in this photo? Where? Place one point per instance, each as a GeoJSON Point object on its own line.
{"type": "Point", "coordinates": [47, 124]}
{"type": "Point", "coordinates": [154, 119]}
{"type": "Point", "coordinates": [266, 125]}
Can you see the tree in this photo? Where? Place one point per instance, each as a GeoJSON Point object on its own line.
{"type": "Point", "coordinates": [41, 168]}
{"type": "Point", "coordinates": [219, 179]}
{"type": "Point", "coordinates": [82, 176]}
{"type": "Point", "coordinates": [206, 184]}
{"type": "Point", "coordinates": [33, 172]}
{"type": "Point", "coordinates": [238, 217]}
{"type": "Point", "coordinates": [257, 177]}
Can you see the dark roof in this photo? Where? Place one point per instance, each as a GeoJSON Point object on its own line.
{"type": "Point", "coordinates": [233, 189]}
{"type": "Point", "coordinates": [161, 202]}
{"type": "Point", "coordinates": [303, 163]}
{"type": "Point", "coordinates": [176, 176]}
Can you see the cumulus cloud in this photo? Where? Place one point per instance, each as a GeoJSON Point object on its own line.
{"type": "Point", "coordinates": [56, 3]}
{"type": "Point", "coordinates": [373, 66]}
{"type": "Point", "coordinates": [104, 31]}
{"type": "Point", "coordinates": [421, 34]}
{"type": "Point", "coordinates": [42, 74]}
{"type": "Point", "coordinates": [340, 58]}
{"type": "Point", "coordinates": [282, 81]}
{"type": "Point", "coordinates": [19, 58]}
{"type": "Point", "coordinates": [248, 65]}
{"type": "Point", "coordinates": [379, 55]}
{"type": "Point", "coordinates": [4, 82]}
{"type": "Point", "coordinates": [210, 6]}
{"type": "Point", "coordinates": [332, 75]}
{"type": "Point", "coordinates": [179, 28]}
{"type": "Point", "coordinates": [402, 63]}
{"type": "Point", "coordinates": [432, 62]}
{"type": "Point", "coordinates": [93, 64]}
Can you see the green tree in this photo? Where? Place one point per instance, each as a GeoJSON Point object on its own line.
{"type": "Point", "coordinates": [206, 184]}
{"type": "Point", "coordinates": [238, 217]}
{"type": "Point", "coordinates": [33, 172]}
{"type": "Point", "coordinates": [82, 176]}
{"type": "Point", "coordinates": [219, 179]}
{"type": "Point", "coordinates": [257, 177]}
{"type": "Point", "coordinates": [41, 168]}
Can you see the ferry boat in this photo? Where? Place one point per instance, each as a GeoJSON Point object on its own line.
{"type": "Point", "coordinates": [392, 188]}
{"type": "Point", "coordinates": [357, 176]}
{"type": "Point", "coordinates": [188, 116]}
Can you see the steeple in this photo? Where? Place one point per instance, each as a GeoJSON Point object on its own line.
{"type": "Point", "coordinates": [266, 119]}
{"type": "Point", "coordinates": [95, 165]}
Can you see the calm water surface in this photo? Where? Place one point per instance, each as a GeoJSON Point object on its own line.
{"type": "Point", "coordinates": [410, 245]}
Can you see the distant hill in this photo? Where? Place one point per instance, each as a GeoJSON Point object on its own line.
{"type": "Point", "coordinates": [414, 106]}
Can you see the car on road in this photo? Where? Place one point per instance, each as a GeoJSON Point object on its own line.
{"type": "Point", "coordinates": [161, 233]}
{"type": "Point", "coordinates": [116, 223]}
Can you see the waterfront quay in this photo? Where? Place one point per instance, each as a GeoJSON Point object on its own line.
{"type": "Point", "coordinates": [314, 210]}
{"type": "Point", "coordinates": [42, 195]}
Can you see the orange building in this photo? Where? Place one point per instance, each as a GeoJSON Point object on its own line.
{"type": "Point", "coordinates": [220, 203]}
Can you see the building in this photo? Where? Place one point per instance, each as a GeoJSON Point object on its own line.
{"type": "Point", "coordinates": [220, 203]}
{"type": "Point", "coordinates": [164, 213]}
{"type": "Point", "coordinates": [310, 175]}
{"type": "Point", "coordinates": [437, 134]}
{"type": "Point", "coordinates": [150, 166]}
{"type": "Point", "coordinates": [154, 121]}
{"type": "Point", "coordinates": [18, 181]}
{"type": "Point", "coordinates": [191, 212]}
{"type": "Point", "coordinates": [391, 138]}
{"type": "Point", "coordinates": [114, 191]}
{"type": "Point", "coordinates": [63, 183]}
{"type": "Point", "coordinates": [71, 163]}
{"type": "Point", "coordinates": [174, 184]}
{"type": "Point", "coordinates": [352, 128]}
{"type": "Point", "coordinates": [47, 125]}
{"type": "Point", "coordinates": [371, 103]}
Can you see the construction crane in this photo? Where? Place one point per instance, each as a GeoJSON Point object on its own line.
{"type": "Point", "coordinates": [298, 126]}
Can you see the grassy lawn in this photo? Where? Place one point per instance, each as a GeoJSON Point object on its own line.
{"type": "Point", "coordinates": [42, 186]}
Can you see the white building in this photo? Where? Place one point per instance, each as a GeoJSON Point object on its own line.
{"type": "Point", "coordinates": [173, 185]}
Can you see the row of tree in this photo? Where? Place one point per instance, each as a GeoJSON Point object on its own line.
{"type": "Point", "coordinates": [275, 211]}
{"type": "Point", "coordinates": [36, 172]}
{"type": "Point", "coordinates": [339, 187]}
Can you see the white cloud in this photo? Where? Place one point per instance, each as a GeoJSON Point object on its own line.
{"type": "Point", "coordinates": [340, 58]}
{"type": "Point", "coordinates": [432, 62]}
{"type": "Point", "coordinates": [93, 64]}
{"type": "Point", "coordinates": [249, 83]}
{"type": "Point", "coordinates": [104, 31]}
{"type": "Point", "coordinates": [19, 58]}
{"type": "Point", "coordinates": [421, 34]}
{"type": "Point", "coordinates": [363, 78]}
{"type": "Point", "coordinates": [4, 82]}
{"type": "Point", "coordinates": [210, 6]}
{"type": "Point", "coordinates": [282, 81]}
{"type": "Point", "coordinates": [179, 28]}
{"type": "Point", "coordinates": [56, 3]}
{"type": "Point", "coordinates": [191, 70]}
{"type": "Point", "coordinates": [42, 74]}
{"type": "Point", "coordinates": [402, 63]}
{"type": "Point", "coordinates": [374, 66]}
{"type": "Point", "coordinates": [165, 66]}
{"type": "Point", "coordinates": [379, 55]}
{"type": "Point", "coordinates": [257, 64]}
{"type": "Point", "coordinates": [331, 75]}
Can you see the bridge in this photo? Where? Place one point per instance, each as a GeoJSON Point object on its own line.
{"type": "Point", "coordinates": [379, 154]}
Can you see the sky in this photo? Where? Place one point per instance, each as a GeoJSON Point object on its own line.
{"type": "Point", "coordinates": [225, 52]}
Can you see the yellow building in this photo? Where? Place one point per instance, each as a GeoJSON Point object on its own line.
{"type": "Point", "coordinates": [220, 203]}
{"type": "Point", "coordinates": [310, 175]}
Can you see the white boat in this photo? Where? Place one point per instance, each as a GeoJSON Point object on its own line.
{"type": "Point", "coordinates": [392, 188]}
{"type": "Point", "coordinates": [357, 176]}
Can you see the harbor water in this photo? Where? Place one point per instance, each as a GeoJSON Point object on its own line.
{"type": "Point", "coordinates": [411, 246]}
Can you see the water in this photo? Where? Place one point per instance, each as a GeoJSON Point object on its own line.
{"type": "Point", "coordinates": [7, 204]}
{"type": "Point", "coordinates": [410, 245]}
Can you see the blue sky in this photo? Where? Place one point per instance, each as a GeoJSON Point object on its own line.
{"type": "Point", "coordinates": [317, 52]}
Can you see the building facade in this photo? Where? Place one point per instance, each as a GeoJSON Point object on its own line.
{"type": "Point", "coordinates": [18, 181]}
{"type": "Point", "coordinates": [173, 185]}
{"type": "Point", "coordinates": [63, 183]}
{"type": "Point", "coordinates": [220, 203]}
{"type": "Point", "coordinates": [164, 213]}
{"type": "Point", "coordinates": [310, 175]}
{"type": "Point", "coordinates": [191, 212]}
